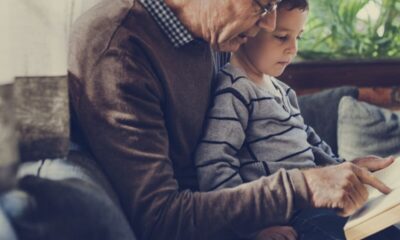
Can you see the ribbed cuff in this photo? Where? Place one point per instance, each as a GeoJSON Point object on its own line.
{"type": "Point", "coordinates": [302, 197]}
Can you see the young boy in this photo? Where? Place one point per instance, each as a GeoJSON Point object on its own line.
{"type": "Point", "coordinates": [254, 126]}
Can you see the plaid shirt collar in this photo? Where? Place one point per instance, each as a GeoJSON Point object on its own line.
{"type": "Point", "coordinates": [169, 23]}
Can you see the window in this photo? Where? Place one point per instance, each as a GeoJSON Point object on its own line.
{"type": "Point", "coordinates": [352, 29]}
{"type": "Point", "coordinates": [35, 42]}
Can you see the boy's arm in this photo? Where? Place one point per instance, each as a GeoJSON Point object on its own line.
{"type": "Point", "coordinates": [322, 151]}
{"type": "Point", "coordinates": [224, 134]}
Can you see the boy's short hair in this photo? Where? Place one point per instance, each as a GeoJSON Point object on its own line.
{"type": "Point", "coordinates": [294, 4]}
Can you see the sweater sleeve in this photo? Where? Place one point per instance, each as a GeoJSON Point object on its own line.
{"type": "Point", "coordinates": [323, 153]}
{"type": "Point", "coordinates": [216, 156]}
{"type": "Point", "coordinates": [120, 112]}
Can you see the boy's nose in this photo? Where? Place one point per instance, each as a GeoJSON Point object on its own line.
{"type": "Point", "coordinates": [268, 22]}
{"type": "Point", "coordinates": [292, 48]}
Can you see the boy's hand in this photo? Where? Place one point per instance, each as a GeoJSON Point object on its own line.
{"type": "Point", "coordinates": [277, 233]}
{"type": "Point", "coordinates": [341, 186]}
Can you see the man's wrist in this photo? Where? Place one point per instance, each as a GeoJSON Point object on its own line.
{"type": "Point", "coordinates": [302, 195]}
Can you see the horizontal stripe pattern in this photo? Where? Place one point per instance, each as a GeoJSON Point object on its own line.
{"type": "Point", "coordinates": [249, 134]}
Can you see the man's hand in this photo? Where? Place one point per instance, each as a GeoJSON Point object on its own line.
{"type": "Point", "coordinates": [277, 233]}
{"type": "Point", "coordinates": [341, 186]}
{"type": "Point", "coordinates": [373, 163]}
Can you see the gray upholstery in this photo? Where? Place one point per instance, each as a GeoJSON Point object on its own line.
{"type": "Point", "coordinates": [365, 129]}
{"type": "Point", "coordinates": [320, 111]}
{"type": "Point", "coordinates": [6, 229]}
{"type": "Point", "coordinates": [73, 201]}
{"type": "Point", "coordinates": [72, 198]}
{"type": "Point", "coordinates": [41, 108]}
{"type": "Point", "coordinates": [8, 141]}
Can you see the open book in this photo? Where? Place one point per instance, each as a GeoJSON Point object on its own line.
{"type": "Point", "coordinates": [380, 211]}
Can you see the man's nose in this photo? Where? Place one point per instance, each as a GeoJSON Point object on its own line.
{"type": "Point", "coordinates": [268, 22]}
{"type": "Point", "coordinates": [253, 31]}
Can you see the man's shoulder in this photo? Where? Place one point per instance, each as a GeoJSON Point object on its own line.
{"type": "Point", "coordinates": [102, 21]}
{"type": "Point", "coordinates": [105, 14]}
{"type": "Point", "coordinates": [110, 26]}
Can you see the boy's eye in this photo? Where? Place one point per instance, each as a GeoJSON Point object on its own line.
{"type": "Point", "coordinates": [281, 38]}
{"type": "Point", "coordinates": [299, 37]}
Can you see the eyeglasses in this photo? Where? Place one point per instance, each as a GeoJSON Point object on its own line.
{"type": "Point", "coordinates": [267, 8]}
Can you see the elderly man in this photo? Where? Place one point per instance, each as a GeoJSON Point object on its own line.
{"type": "Point", "coordinates": [140, 80]}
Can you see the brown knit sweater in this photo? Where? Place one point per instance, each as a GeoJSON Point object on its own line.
{"type": "Point", "coordinates": [141, 104]}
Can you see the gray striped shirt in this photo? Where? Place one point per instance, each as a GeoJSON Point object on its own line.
{"type": "Point", "coordinates": [252, 133]}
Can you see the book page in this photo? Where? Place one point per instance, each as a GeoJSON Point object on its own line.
{"type": "Point", "coordinates": [390, 176]}
{"type": "Point", "coordinates": [377, 201]}
{"type": "Point", "coordinates": [374, 207]}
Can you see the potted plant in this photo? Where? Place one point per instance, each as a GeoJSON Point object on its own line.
{"type": "Point", "coordinates": [354, 42]}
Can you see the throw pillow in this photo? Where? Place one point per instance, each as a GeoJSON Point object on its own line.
{"type": "Point", "coordinates": [365, 129]}
{"type": "Point", "coordinates": [319, 110]}
{"type": "Point", "coordinates": [42, 116]}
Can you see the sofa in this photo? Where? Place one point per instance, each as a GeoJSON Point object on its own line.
{"type": "Point", "coordinates": [57, 191]}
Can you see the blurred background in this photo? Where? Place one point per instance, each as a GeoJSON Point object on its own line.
{"type": "Point", "coordinates": [36, 33]}
{"type": "Point", "coordinates": [35, 36]}
{"type": "Point", "coordinates": [355, 29]}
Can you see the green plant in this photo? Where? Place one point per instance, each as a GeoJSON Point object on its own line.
{"type": "Point", "coordinates": [343, 29]}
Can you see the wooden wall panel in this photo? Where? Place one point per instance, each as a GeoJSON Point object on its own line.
{"type": "Point", "coordinates": [306, 75]}
{"type": "Point", "coordinates": [378, 81]}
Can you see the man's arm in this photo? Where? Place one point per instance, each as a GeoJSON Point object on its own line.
{"type": "Point", "coordinates": [120, 110]}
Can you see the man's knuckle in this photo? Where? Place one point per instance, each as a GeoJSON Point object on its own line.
{"type": "Point", "coordinates": [347, 165]}
{"type": "Point", "coordinates": [342, 195]}
{"type": "Point", "coordinates": [348, 177]}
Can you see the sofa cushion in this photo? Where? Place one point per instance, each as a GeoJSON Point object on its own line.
{"type": "Point", "coordinates": [42, 113]}
{"type": "Point", "coordinates": [319, 110]}
{"type": "Point", "coordinates": [72, 200]}
{"type": "Point", "coordinates": [70, 209]}
{"type": "Point", "coordinates": [365, 129]}
{"type": "Point", "coordinates": [6, 229]}
{"type": "Point", "coordinates": [8, 139]}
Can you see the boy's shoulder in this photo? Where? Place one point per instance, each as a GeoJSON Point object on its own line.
{"type": "Point", "coordinates": [286, 88]}
{"type": "Point", "coordinates": [231, 76]}
{"type": "Point", "coordinates": [235, 78]}
{"type": "Point", "coordinates": [280, 83]}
